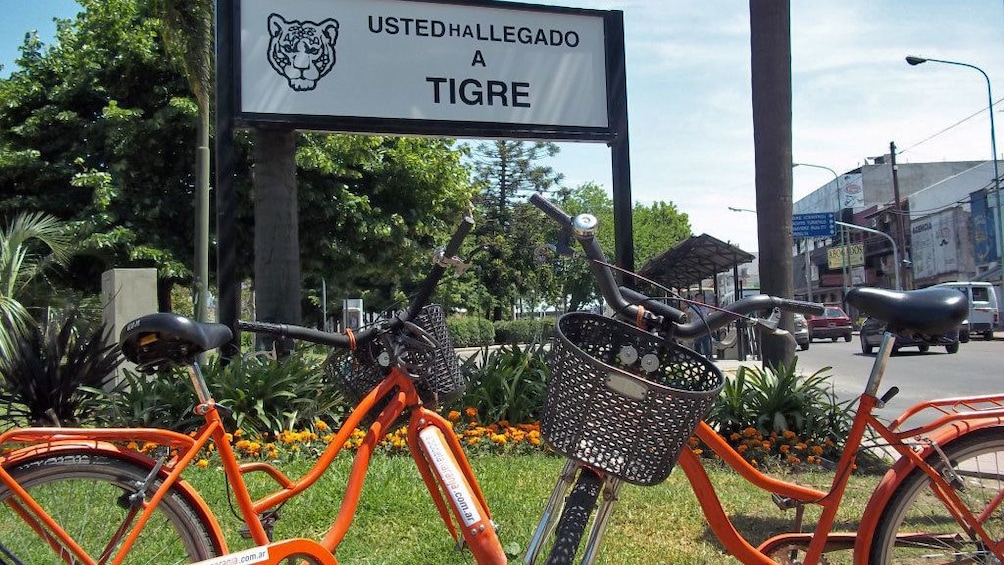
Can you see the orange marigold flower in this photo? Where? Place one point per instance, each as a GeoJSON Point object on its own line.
{"type": "Point", "coordinates": [785, 448]}
{"type": "Point", "coordinates": [453, 416]}
{"type": "Point", "coordinates": [817, 450]}
{"type": "Point", "coordinates": [132, 445]}
{"type": "Point", "coordinates": [471, 412]}
{"type": "Point", "coordinates": [765, 444]}
{"type": "Point", "coordinates": [239, 433]}
{"type": "Point", "coordinates": [749, 432]}
{"type": "Point", "coordinates": [794, 460]}
{"type": "Point", "coordinates": [800, 446]}
{"type": "Point", "coordinates": [321, 425]}
{"type": "Point", "coordinates": [788, 434]}
{"type": "Point", "coordinates": [735, 436]}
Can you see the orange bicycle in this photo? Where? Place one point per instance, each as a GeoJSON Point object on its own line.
{"type": "Point", "coordinates": [75, 495]}
{"type": "Point", "coordinates": [624, 399]}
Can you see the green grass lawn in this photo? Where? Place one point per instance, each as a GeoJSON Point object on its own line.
{"type": "Point", "coordinates": [397, 523]}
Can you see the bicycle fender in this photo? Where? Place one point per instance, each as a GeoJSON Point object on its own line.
{"type": "Point", "coordinates": [899, 471]}
{"type": "Point", "coordinates": [70, 446]}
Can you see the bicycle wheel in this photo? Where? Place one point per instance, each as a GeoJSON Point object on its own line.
{"type": "Point", "coordinates": [574, 516]}
{"type": "Point", "coordinates": [87, 494]}
{"type": "Point", "coordinates": [927, 532]}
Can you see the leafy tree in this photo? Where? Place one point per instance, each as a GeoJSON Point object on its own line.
{"type": "Point", "coordinates": [93, 131]}
{"type": "Point", "coordinates": [372, 209]}
{"type": "Point", "coordinates": [505, 171]}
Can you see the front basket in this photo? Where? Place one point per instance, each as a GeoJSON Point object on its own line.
{"type": "Point", "coordinates": [623, 400]}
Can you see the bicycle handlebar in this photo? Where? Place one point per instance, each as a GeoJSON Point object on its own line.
{"type": "Point", "coordinates": [624, 301]}
{"type": "Point", "coordinates": [631, 304]}
{"type": "Point", "coordinates": [367, 335]}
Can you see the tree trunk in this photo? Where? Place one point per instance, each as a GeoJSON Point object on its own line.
{"type": "Point", "coordinates": [276, 233]}
{"type": "Point", "coordinates": [770, 49]}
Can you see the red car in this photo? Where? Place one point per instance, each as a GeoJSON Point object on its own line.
{"type": "Point", "coordinates": [832, 323]}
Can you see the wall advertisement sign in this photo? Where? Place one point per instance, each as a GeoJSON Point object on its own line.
{"type": "Point", "coordinates": [855, 256]}
{"type": "Point", "coordinates": [406, 66]}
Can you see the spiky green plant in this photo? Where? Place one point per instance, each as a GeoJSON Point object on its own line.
{"type": "Point", "coordinates": [55, 367]}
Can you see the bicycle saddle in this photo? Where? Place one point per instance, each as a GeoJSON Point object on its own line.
{"type": "Point", "coordinates": [929, 311]}
{"type": "Point", "coordinates": [164, 340]}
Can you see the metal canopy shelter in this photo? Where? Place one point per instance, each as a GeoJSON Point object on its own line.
{"type": "Point", "coordinates": [693, 260]}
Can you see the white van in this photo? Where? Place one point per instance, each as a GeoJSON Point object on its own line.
{"type": "Point", "coordinates": [984, 312]}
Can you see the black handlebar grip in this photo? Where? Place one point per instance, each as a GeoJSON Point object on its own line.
{"type": "Point", "coordinates": [669, 313]}
{"type": "Point", "coordinates": [799, 306]}
{"type": "Point", "coordinates": [309, 334]}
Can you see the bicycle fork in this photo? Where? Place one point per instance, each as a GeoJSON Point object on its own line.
{"type": "Point", "coordinates": [610, 490]}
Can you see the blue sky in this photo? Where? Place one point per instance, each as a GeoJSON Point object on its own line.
{"type": "Point", "coordinates": [688, 72]}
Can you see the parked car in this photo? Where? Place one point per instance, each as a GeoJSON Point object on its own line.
{"type": "Point", "coordinates": [801, 332]}
{"type": "Point", "coordinates": [833, 323]}
{"type": "Point", "coordinates": [871, 337]}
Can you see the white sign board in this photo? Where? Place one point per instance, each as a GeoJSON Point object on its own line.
{"type": "Point", "coordinates": [414, 60]}
{"type": "Point", "coordinates": [934, 245]}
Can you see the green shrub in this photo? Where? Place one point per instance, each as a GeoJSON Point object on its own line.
{"type": "Point", "coordinates": [778, 400]}
{"type": "Point", "coordinates": [524, 331]}
{"type": "Point", "coordinates": [266, 395]}
{"type": "Point", "coordinates": [470, 332]}
{"type": "Point", "coordinates": [507, 383]}
{"type": "Point", "coordinates": [161, 400]}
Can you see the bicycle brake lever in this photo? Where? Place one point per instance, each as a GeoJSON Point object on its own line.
{"type": "Point", "coordinates": [457, 263]}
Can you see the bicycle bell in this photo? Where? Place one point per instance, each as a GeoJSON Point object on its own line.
{"type": "Point", "coordinates": [585, 225]}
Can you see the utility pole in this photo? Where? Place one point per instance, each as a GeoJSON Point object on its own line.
{"type": "Point", "coordinates": [898, 210]}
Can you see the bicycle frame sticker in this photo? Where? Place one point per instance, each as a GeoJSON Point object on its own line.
{"type": "Point", "coordinates": [453, 479]}
{"type": "Point", "coordinates": [253, 555]}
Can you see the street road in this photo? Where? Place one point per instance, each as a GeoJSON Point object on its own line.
{"type": "Point", "coordinates": [978, 368]}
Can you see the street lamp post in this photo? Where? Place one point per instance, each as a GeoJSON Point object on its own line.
{"type": "Point", "coordinates": [914, 61]}
{"type": "Point", "coordinates": [843, 239]}
{"type": "Point", "coordinates": [895, 251]}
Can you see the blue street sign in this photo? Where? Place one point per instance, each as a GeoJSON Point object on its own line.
{"type": "Point", "coordinates": [813, 225]}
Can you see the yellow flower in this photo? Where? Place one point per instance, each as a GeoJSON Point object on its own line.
{"type": "Point", "coordinates": [239, 433]}
{"type": "Point", "coordinates": [133, 446]}
{"type": "Point", "coordinates": [321, 425]}
{"type": "Point", "coordinates": [202, 463]}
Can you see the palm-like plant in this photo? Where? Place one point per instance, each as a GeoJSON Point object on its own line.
{"type": "Point", "coordinates": [32, 243]}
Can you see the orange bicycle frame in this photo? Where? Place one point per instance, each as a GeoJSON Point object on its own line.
{"type": "Point", "coordinates": [957, 421]}
{"type": "Point", "coordinates": [446, 465]}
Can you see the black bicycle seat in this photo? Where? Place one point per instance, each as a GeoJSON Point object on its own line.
{"type": "Point", "coordinates": [931, 311]}
{"type": "Point", "coordinates": [164, 340]}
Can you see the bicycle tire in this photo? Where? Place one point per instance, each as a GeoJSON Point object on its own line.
{"type": "Point", "coordinates": [85, 493]}
{"type": "Point", "coordinates": [913, 507]}
{"type": "Point", "coordinates": [579, 506]}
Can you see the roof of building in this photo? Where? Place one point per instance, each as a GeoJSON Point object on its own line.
{"type": "Point", "coordinates": [693, 260]}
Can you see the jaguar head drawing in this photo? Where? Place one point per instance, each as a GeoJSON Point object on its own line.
{"type": "Point", "coordinates": [303, 52]}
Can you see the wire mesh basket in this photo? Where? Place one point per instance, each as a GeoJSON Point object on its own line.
{"type": "Point", "coordinates": [356, 372]}
{"type": "Point", "coordinates": [623, 400]}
